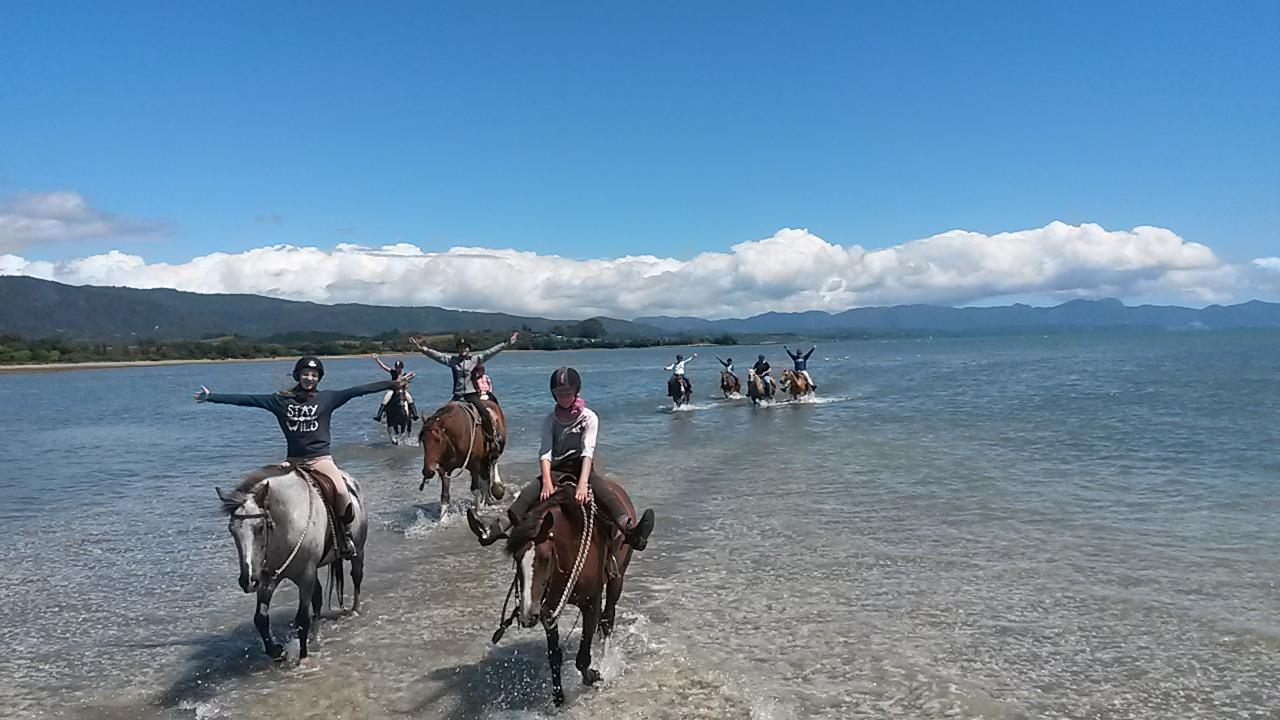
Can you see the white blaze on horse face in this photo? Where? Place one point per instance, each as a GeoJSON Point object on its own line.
{"type": "Point", "coordinates": [525, 564]}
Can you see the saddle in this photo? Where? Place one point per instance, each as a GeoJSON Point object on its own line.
{"type": "Point", "coordinates": [329, 496]}
{"type": "Point", "coordinates": [476, 422]}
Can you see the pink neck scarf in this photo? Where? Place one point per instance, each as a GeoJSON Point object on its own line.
{"type": "Point", "coordinates": [573, 411]}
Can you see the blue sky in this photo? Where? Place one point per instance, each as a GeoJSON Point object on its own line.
{"type": "Point", "coordinates": [594, 130]}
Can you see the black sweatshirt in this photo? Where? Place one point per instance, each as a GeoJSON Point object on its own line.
{"type": "Point", "coordinates": [303, 416]}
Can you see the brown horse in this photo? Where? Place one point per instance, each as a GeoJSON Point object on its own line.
{"type": "Point", "coordinates": [546, 546]}
{"type": "Point", "coordinates": [796, 384]}
{"type": "Point", "coordinates": [729, 384]}
{"type": "Point", "coordinates": [452, 438]}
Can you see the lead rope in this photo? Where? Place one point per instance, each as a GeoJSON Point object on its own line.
{"type": "Point", "coordinates": [587, 526]}
{"type": "Point", "coordinates": [311, 491]}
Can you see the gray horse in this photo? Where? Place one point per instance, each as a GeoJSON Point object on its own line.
{"type": "Point", "coordinates": [282, 531]}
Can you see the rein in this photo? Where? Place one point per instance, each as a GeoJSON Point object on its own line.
{"type": "Point", "coordinates": [311, 493]}
{"type": "Point", "coordinates": [584, 547]}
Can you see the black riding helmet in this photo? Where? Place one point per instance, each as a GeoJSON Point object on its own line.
{"type": "Point", "coordinates": [463, 343]}
{"type": "Point", "coordinates": [308, 363]}
{"type": "Point", "coordinates": [399, 365]}
{"type": "Point", "coordinates": [760, 357]}
{"type": "Point", "coordinates": [566, 377]}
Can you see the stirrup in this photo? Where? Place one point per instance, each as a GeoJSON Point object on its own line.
{"type": "Point", "coordinates": [347, 546]}
{"type": "Point", "coordinates": [611, 567]}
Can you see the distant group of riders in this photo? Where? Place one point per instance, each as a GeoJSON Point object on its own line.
{"type": "Point", "coordinates": [760, 381]}
{"type": "Point", "coordinates": [275, 544]}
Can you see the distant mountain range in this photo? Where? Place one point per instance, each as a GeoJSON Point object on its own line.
{"type": "Point", "coordinates": [36, 308]}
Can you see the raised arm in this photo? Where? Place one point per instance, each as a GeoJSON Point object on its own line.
{"type": "Point", "coordinates": [486, 354]}
{"type": "Point", "coordinates": [806, 355]}
{"type": "Point", "coordinates": [380, 363]}
{"type": "Point", "coordinates": [442, 358]}
{"type": "Point", "coordinates": [342, 397]}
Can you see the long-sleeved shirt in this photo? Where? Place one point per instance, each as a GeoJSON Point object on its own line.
{"type": "Point", "coordinates": [728, 365]}
{"type": "Point", "coordinates": [304, 417]}
{"type": "Point", "coordinates": [463, 384]}
{"type": "Point", "coordinates": [761, 367]}
{"type": "Point", "coordinates": [678, 367]}
{"type": "Point", "coordinates": [575, 439]}
{"type": "Point", "coordinates": [801, 361]}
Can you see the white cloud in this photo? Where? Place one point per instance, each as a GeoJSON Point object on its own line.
{"type": "Point", "coordinates": [36, 218]}
{"type": "Point", "coordinates": [792, 270]}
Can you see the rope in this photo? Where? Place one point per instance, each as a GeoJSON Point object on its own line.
{"type": "Point", "coordinates": [311, 492]}
{"type": "Point", "coordinates": [588, 524]}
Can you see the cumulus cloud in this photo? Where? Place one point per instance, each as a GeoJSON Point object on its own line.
{"type": "Point", "coordinates": [791, 271]}
{"type": "Point", "coordinates": [37, 218]}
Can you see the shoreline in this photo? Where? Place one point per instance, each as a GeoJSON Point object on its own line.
{"type": "Point", "coordinates": [110, 364]}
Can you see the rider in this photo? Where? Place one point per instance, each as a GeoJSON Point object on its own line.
{"type": "Point", "coordinates": [728, 366]}
{"type": "Point", "coordinates": [303, 413]}
{"type": "Point", "coordinates": [763, 370]}
{"type": "Point", "coordinates": [463, 363]}
{"type": "Point", "coordinates": [802, 364]}
{"type": "Point", "coordinates": [484, 384]}
{"type": "Point", "coordinates": [677, 371]}
{"type": "Point", "coordinates": [396, 371]}
{"type": "Point", "coordinates": [568, 446]}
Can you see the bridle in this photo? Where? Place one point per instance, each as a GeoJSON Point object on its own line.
{"type": "Point", "coordinates": [267, 574]}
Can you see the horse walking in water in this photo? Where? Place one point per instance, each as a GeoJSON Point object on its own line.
{"type": "Point", "coordinates": [568, 554]}
{"type": "Point", "coordinates": [797, 384]}
{"type": "Point", "coordinates": [452, 438]}
{"type": "Point", "coordinates": [399, 421]}
{"type": "Point", "coordinates": [283, 531]}
{"type": "Point", "coordinates": [759, 389]}
{"type": "Point", "coordinates": [729, 384]}
{"type": "Point", "coordinates": [679, 389]}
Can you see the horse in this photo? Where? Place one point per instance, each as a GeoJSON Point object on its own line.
{"type": "Point", "coordinates": [797, 384]}
{"type": "Point", "coordinates": [452, 438]}
{"type": "Point", "coordinates": [759, 389]}
{"type": "Point", "coordinates": [283, 530]}
{"type": "Point", "coordinates": [562, 547]}
{"type": "Point", "coordinates": [729, 383]}
{"type": "Point", "coordinates": [679, 389]}
{"type": "Point", "coordinates": [399, 422]}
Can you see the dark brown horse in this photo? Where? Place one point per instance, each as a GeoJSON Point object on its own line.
{"type": "Point", "coordinates": [729, 383]}
{"type": "Point", "coordinates": [546, 546]}
{"type": "Point", "coordinates": [452, 438]}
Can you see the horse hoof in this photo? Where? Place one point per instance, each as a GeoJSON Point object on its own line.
{"type": "Point", "coordinates": [590, 676]}
{"type": "Point", "coordinates": [558, 697]}
{"type": "Point", "coordinates": [276, 652]}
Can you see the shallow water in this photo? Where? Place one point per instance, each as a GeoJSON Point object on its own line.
{"type": "Point", "coordinates": [1075, 527]}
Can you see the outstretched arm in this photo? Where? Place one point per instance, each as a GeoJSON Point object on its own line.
{"type": "Point", "coordinates": [266, 402]}
{"type": "Point", "coordinates": [442, 358]}
{"type": "Point", "coordinates": [486, 354]}
{"type": "Point", "coordinates": [380, 363]}
{"type": "Point", "coordinates": [806, 355]}
{"type": "Point", "coordinates": [341, 397]}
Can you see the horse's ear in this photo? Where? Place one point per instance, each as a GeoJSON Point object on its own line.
{"type": "Point", "coordinates": [222, 495]}
{"type": "Point", "coordinates": [260, 494]}
{"type": "Point", "coordinates": [544, 532]}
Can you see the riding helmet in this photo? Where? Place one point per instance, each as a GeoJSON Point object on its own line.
{"type": "Point", "coordinates": [566, 377]}
{"type": "Point", "coordinates": [308, 363]}
{"type": "Point", "coordinates": [399, 365]}
{"type": "Point", "coordinates": [463, 343]}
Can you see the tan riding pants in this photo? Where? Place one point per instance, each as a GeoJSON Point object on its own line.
{"type": "Point", "coordinates": [325, 466]}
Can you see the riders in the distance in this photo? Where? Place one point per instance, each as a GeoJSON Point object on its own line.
{"type": "Point", "coordinates": [677, 372]}
{"type": "Point", "coordinates": [802, 364]}
{"type": "Point", "coordinates": [764, 372]}
{"type": "Point", "coordinates": [396, 371]}
{"type": "Point", "coordinates": [303, 413]}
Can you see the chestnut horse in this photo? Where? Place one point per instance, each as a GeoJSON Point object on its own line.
{"type": "Point", "coordinates": [452, 438]}
{"type": "Point", "coordinates": [729, 384]}
{"type": "Point", "coordinates": [546, 547]}
{"type": "Point", "coordinates": [796, 384]}
{"type": "Point", "coordinates": [759, 389]}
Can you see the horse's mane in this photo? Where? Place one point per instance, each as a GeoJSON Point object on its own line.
{"type": "Point", "coordinates": [527, 530]}
{"type": "Point", "coordinates": [232, 501]}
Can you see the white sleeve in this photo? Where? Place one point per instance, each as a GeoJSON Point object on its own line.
{"type": "Point", "coordinates": [544, 452]}
{"type": "Point", "coordinates": [589, 435]}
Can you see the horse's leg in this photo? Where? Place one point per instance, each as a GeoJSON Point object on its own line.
{"type": "Point", "coordinates": [612, 592]}
{"type": "Point", "coordinates": [496, 489]}
{"type": "Point", "coordinates": [479, 487]}
{"type": "Point", "coordinates": [555, 656]}
{"type": "Point", "coordinates": [317, 598]}
{"type": "Point", "coordinates": [306, 589]}
{"type": "Point", "coordinates": [444, 491]}
{"type": "Point", "coordinates": [357, 577]}
{"type": "Point", "coordinates": [590, 620]}
{"type": "Point", "coordinates": [262, 621]}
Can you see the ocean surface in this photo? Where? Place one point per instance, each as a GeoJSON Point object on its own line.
{"type": "Point", "coordinates": [1014, 527]}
